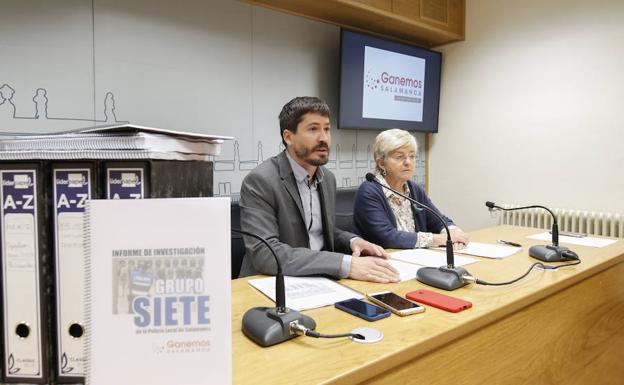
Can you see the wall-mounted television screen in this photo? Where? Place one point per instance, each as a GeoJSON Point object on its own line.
{"type": "Point", "coordinates": [385, 84]}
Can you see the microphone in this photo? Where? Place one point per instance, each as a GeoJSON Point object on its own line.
{"type": "Point", "coordinates": [269, 326]}
{"type": "Point", "coordinates": [546, 253]}
{"type": "Point", "coordinates": [446, 277]}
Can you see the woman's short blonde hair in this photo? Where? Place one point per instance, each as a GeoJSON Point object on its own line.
{"type": "Point", "coordinates": [391, 140]}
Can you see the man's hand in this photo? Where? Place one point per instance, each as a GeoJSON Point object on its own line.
{"type": "Point", "coordinates": [372, 269]}
{"type": "Point", "coordinates": [362, 247]}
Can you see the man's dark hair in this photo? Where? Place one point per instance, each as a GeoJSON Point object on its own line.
{"type": "Point", "coordinates": [294, 110]}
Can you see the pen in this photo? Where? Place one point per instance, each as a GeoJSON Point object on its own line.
{"type": "Point", "coordinates": [575, 235]}
{"type": "Point", "coordinates": [509, 243]}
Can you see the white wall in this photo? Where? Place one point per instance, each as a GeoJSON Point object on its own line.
{"type": "Point", "coordinates": [532, 109]}
{"type": "Point", "coordinates": [220, 67]}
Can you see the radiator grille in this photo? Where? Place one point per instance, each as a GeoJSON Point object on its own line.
{"type": "Point", "coordinates": [577, 221]}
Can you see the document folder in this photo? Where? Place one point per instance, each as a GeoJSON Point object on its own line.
{"type": "Point", "coordinates": [72, 186]}
{"type": "Point", "coordinates": [24, 256]}
{"type": "Point", "coordinates": [157, 179]}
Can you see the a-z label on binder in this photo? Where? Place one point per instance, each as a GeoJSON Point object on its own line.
{"type": "Point", "coordinates": [20, 275]}
{"type": "Point", "coordinates": [125, 183]}
{"type": "Point", "coordinates": [72, 188]}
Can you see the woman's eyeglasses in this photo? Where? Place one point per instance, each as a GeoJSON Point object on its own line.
{"type": "Point", "coordinates": [402, 158]}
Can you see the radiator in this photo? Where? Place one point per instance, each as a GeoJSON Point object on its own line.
{"type": "Point", "coordinates": [576, 221]}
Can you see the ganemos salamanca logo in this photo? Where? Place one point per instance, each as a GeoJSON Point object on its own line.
{"type": "Point", "coordinates": [388, 82]}
{"type": "Point", "coordinates": [182, 346]}
{"type": "Point", "coordinates": [393, 85]}
{"type": "Point", "coordinates": [371, 81]}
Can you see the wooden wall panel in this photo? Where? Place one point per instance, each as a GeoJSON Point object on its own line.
{"type": "Point", "coordinates": [427, 23]}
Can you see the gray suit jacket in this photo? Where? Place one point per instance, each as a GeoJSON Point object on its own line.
{"type": "Point", "coordinates": [271, 207]}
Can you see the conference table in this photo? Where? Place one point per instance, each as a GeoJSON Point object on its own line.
{"type": "Point", "coordinates": [552, 327]}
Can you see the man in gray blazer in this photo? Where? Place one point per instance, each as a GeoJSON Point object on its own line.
{"type": "Point", "coordinates": [290, 199]}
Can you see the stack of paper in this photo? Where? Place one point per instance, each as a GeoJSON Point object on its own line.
{"type": "Point", "coordinates": [112, 142]}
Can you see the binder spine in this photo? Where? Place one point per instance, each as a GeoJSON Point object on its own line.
{"type": "Point", "coordinates": [72, 186]}
{"type": "Point", "coordinates": [126, 180]}
{"type": "Point", "coordinates": [25, 324]}
{"type": "Point", "coordinates": [87, 296]}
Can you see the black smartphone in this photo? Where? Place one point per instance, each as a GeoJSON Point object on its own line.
{"type": "Point", "coordinates": [362, 309]}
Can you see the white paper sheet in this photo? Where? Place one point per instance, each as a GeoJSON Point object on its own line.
{"type": "Point", "coordinates": [427, 257]}
{"type": "Point", "coordinates": [584, 241]}
{"type": "Point", "coordinates": [488, 250]}
{"type": "Point", "coordinates": [406, 270]}
{"type": "Point", "coordinates": [304, 293]}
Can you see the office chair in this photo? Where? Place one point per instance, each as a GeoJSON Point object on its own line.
{"type": "Point", "coordinates": [237, 243]}
{"type": "Point", "coordinates": [344, 208]}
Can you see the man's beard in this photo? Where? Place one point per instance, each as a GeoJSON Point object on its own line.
{"type": "Point", "coordinates": [304, 153]}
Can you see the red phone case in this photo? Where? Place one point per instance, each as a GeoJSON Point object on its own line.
{"type": "Point", "coordinates": [441, 301]}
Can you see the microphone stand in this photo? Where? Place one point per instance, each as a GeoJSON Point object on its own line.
{"type": "Point", "coordinates": [446, 277]}
{"type": "Point", "coordinates": [546, 253]}
{"type": "Point", "coordinates": [269, 326]}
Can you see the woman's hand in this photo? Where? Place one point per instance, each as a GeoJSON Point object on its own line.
{"type": "Point", "coordinates": [459, 238]}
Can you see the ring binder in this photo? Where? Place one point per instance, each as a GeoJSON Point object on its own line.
{"type": "Point", "coordinates": [72, 186]}
{"type": "Point", "coordinates": [24, 313]}
{"type": "Point", "coordinates": [156, 179]}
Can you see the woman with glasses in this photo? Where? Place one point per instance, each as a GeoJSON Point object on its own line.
{"type": "Point", "coordinates": [382, 217]}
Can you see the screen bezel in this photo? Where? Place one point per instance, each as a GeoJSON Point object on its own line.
{"type": "Point", "coordinates": [352, 72]}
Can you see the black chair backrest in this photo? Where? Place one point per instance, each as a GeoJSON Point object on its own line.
{"type": "Point", "coordinates": [238, 245]}
{"type": "Point", "coordinates": [344, 208]}
{"type": "Point", "coordinates": [344, 221]}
